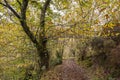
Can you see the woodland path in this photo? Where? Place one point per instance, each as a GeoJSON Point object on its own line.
{"type": "Point", "coordinates": [68, 70]}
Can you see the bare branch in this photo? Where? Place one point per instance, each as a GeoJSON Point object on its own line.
{"type": "Point", "coordinates": [19, 2]}
{"type": "Point", "coordinates": [24, 9]}
{"type": "Point", "coordinates": [22, 17]}
{"type": "Point", "coordinates": [24, 23]}
{"type": "Point", "coordinates": [2, 4]}
{"type": "Point", "coordinates": [10, 7]}
{"type": "Point", "coordinates": [42, 16]}
{"type": "Point", "coordinates": [43, 11]}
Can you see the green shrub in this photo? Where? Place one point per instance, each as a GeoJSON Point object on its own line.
{"type": "Point", "coordinates": [58, 59]}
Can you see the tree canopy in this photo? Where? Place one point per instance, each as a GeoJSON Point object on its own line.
{"type": "Point", "coordinates": [31, 31]}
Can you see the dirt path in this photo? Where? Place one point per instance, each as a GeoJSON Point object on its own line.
{"type": "Point", "coordinates": [68, 70]}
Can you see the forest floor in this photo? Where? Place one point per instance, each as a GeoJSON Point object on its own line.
{"type": "Point", "coordinates": [68, 70]}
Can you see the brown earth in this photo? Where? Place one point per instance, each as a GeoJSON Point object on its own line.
{"type": "Point", "coordinates": [68, 70]}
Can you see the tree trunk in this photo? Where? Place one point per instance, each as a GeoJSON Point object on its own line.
{"type": "Point", "coordinates": [43, 54]}
{"type": "Point", "coordinates": [42, 58]}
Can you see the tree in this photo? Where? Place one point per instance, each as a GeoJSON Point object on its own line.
{"type": "Point", "coordinates": [41, 42]}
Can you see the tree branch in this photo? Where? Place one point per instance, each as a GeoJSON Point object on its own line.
{"type": "Point", "coordinates": [12, 10]}
{"type": "Point", "coordinates": [2, 4]}
{"type": "Point", "coordinates": [24, 23]}
{"type": "Point", "coordinates": [22, 17]}
{"type": "Point", "coordinates": [43, 11]}
{"type": "Point", "coordinates": [19, 2]}
{"type": "Point", "coordinates": [42, 16]}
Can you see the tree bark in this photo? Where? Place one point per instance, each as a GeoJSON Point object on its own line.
{"type": "Point", "coordinates": [43, 54]}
